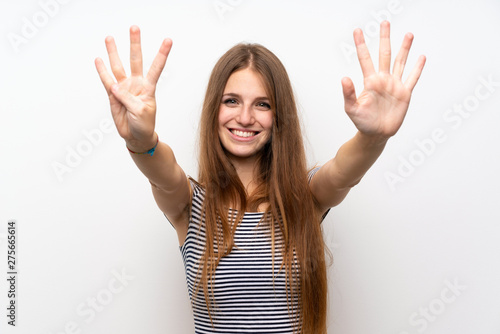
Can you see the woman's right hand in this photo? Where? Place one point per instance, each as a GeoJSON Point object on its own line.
{"type": "Point", "coordinates": [132, 99]}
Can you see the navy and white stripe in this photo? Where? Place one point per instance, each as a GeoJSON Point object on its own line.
{"type": "Point", "coordinates": [245, 297]}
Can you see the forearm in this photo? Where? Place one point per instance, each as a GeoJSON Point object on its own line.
{"type": "Point", "coordinates": [353, 160]}
{"type": "Point", "coordinates": [161, 169]}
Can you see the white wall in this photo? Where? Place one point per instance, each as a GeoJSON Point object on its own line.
{"type": "Point", "coordinates": [398, 245]}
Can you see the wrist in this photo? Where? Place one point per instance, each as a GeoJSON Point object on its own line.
{"type": "Point", "coordinates": [371, 141]}
{"type": "Point", "coordinates": [141, 147]}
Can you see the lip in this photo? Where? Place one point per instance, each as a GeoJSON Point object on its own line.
{"type": "Point", "coordinates": [242, 139]}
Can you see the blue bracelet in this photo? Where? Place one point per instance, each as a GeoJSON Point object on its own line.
{"type": "Point", "coordinates": [151, 151]}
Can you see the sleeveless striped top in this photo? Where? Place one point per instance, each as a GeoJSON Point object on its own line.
{"type": "Point", "coordinates": [246, 300]}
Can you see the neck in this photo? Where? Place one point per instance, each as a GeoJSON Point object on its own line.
{"type": "Point", "coordinates": [246, 168]}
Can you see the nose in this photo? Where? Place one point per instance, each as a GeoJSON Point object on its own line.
{"type": "Point", "coordinates": [246, 116]}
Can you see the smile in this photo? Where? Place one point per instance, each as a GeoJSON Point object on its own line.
{"type": "Point", "coordinates": [244, 134]}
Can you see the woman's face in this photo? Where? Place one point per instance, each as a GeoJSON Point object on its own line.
{"type": "Point", "coordinates": [245, 115]}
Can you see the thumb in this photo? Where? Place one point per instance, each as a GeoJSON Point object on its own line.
{"type": "Point", "coordinates": [349, 93]}
{"type": "Point", "coordinates": [132, 103]}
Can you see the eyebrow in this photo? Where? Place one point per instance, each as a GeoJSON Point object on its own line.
{"type": "Point", "coordinates": [237, 95]}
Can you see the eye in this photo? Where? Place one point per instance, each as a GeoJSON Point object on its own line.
{"type": "Point", "coordinates": [263, 105]}
{"type": "Point", "coordinates": [230, 102]}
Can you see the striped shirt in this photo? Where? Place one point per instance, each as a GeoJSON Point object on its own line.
{"type": "Point", "coordinates": [246, 300]}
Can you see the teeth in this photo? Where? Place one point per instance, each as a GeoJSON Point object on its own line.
{"type": "Point", "coordinates": [243, 133]}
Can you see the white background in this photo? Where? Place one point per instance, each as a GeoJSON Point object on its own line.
{"type": "Point", "coordinates": [398, 245]}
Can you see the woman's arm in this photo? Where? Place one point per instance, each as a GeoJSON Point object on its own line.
{"type": "Point", "coordinates": [168, 182]}
{"type": "Point", "coordinates": [333, 181]}
{"type": "Point", "coordinates": [377, 113]}
{"type": "Point", "coordinates": [133, 107]}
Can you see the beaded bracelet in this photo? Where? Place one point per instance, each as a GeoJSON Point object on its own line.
{"type": "Point", "coordinates": [151, 151]}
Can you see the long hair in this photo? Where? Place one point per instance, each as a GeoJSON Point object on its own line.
{"type": "Point", "coordinates": [281, 182]}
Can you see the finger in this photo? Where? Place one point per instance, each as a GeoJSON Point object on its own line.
{"type": "Point", "coordinates": [131, 102]}
{"type": "Point", "coordinates": [106, 78]}
{"type": "Point", "coordinates": [363, 55]}
{"type": "Point", "coordinates": [400, 61]}
{"type": "Point", "coordinates": [384, 58]}
{"type": "Point", "coordinates": [159, 62]}
{"type": "Point", "coordinates": [114, 59]}
{"type": "Point", "coordinates": [412, 79]}
{"type": "Point", "coordinates": [349, 94]}
{"type": "Point", "coordinates": [135, 51]}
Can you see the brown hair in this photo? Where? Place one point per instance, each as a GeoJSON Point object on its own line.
{"type": "Point", "coordinates": [282, 183]}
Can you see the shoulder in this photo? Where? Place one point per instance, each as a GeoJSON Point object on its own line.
{"type": "Point", "coordinates": [311, 173]}
{"type": "Point", "coordinates": [197, 190]}
{"type": "Point", "coordinates": [193, 210]}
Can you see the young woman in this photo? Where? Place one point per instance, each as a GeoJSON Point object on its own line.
{"type": "Point", "coordinates": [249, 227]}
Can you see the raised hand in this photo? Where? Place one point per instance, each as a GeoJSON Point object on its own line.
{"type": "Point", "coordinates": [132, 98]}
{"type": "Point", "coordinates": [381, 107]}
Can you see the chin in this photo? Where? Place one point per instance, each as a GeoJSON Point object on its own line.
{"type": "Point", "coordinates": [235, 154]}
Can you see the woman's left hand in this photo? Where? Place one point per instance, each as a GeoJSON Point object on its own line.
{"type": "Point", "coordinates": [380, 109]}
